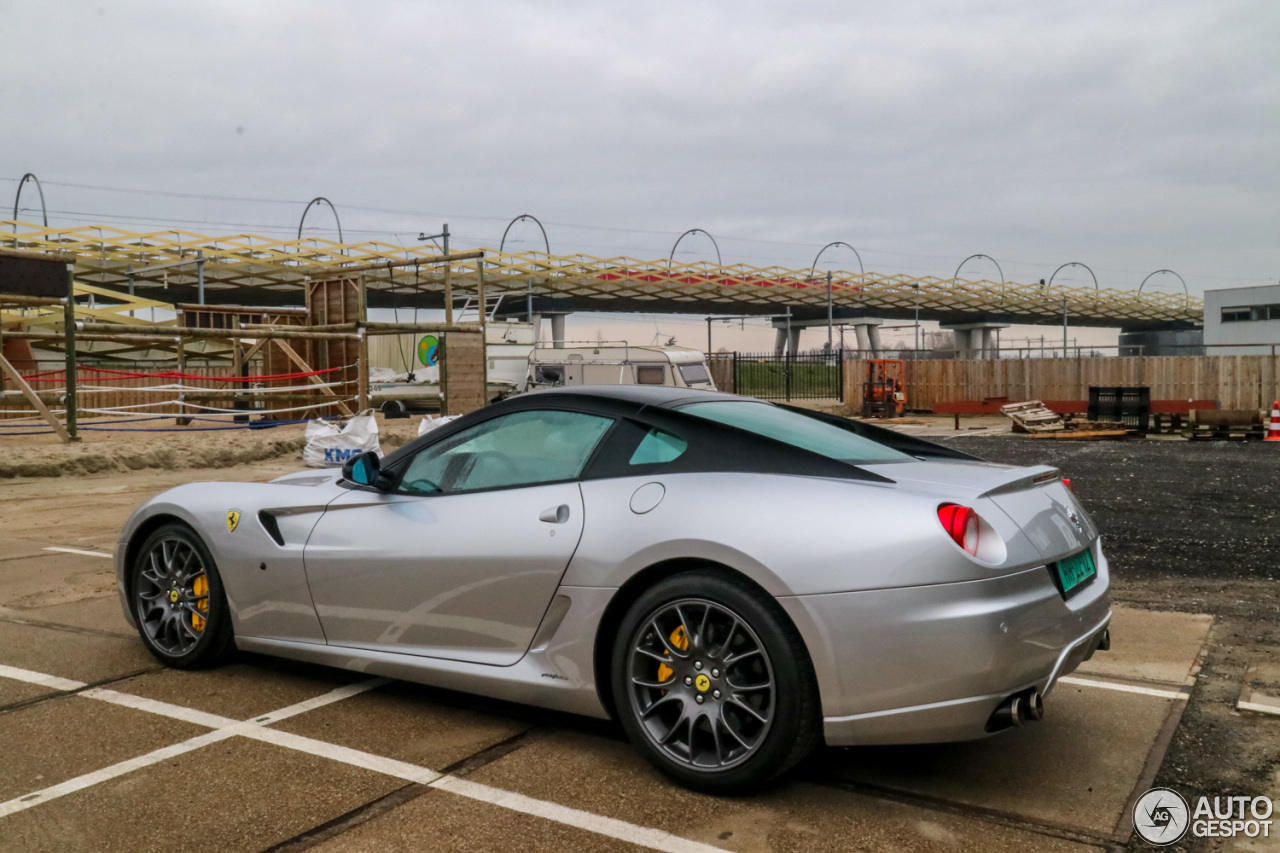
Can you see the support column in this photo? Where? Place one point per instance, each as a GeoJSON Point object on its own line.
{"type": "Point", "coordinates": [793, 340]}
{"type": "Point", "coordinates": [557, 331]}
{"type": "Point", "coordinates": [975, 340]}
{"type": "Point", "coordinates": [988, 342]}
{"type": "Point", "coordinates": [536, 320]}
{"type": "Point", "coordinates": [873, 333]}
{"type": "Point", "coordinates": [864, 338]}
{"type": "Point", "coordinates": [779, 340]}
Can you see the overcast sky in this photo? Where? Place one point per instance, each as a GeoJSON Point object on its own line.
{"type": "Point", "coordinates": [1130, 136]}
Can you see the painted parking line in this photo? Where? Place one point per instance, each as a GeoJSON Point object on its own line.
{"type": "Point", "coordinates": [52, 681]}
{"type": "Point", "coordinates": [1124, 688]}
{"type": "Point", "coordinates": [256, 729]}
{"type": "Point", "coordinates": [82, 552]}
{"type": "Point", "coordinates": [1272, 709]}
{"type": "Point", "coordinates": [643, 836]}
{"type": "Point", "coordinates": [106, 774]}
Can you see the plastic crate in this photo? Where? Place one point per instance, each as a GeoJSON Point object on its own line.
{"type": "Point", "coordinates": [1129, 406]}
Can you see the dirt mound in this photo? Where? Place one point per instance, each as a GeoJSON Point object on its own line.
{"type": "Point", "coordinates": [133, 450]}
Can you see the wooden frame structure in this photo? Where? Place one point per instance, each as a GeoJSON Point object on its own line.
{"type": "Point", "coordinates": [333, 328]}
{"type": "Point", "coordinates": [267, 270]}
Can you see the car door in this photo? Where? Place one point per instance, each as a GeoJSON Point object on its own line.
{"type": "Point", "coordinates": [459, 561]}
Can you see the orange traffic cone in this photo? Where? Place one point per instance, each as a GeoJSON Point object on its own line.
{"type": "Point", "coordinates": [1273, 427]}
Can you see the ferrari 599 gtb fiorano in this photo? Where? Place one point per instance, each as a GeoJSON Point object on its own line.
{"type": "Point", "coordinates": [734, 581]}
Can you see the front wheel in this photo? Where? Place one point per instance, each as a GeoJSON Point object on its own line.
{"type": "Point", "coordinates": [713, 683]}
{"type": "Point", "coordinates": [178, 600]}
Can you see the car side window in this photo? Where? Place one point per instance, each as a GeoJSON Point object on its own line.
{"type": "Point", "coordinates": [519, 449]}
{"type": "Point", "coordinates": [658, 447]}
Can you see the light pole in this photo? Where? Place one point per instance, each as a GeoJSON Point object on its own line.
{"type": "Point", "coordinates": [719, 261]}
{"type": "Point", "coordinates": [315, 200]}
{"type": "Point", "coordinates": [814, 267]}
{"type": "Point", "coordinates": [44, 211]}
{"type": "Point", "coordinates": [545, 242]}
{"type": "Point", "coordinates": [1185, 293]}
{"type": "Point", "coordinates": [988, 257]}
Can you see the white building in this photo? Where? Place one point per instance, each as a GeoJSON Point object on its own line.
{"type": "Point", "coordinates": [1242, 320]}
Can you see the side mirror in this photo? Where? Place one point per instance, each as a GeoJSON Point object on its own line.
{"type": "Point", "coordinates": [363, 469]}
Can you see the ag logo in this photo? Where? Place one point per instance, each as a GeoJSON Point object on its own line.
{"type": "Point", "coordinates": [1161, 816]}
{"type": "Point", "coordinates": [233, 518]}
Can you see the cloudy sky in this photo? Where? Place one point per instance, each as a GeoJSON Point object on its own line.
{"type": "Point", "coordinates": [1130, 136]}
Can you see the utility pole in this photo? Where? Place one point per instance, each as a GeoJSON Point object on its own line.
{"type": "Point", "coordinates": [1064, 325]}
{"type": "Point", "coordinates": [917, 350]}
{"type": "Point", "coordinates": [829, 311]}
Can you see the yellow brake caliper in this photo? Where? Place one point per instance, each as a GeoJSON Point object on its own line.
{"type": "Point", "coordinates": [200, 587]}
{"type": "Point", "coordinates": [680, 641]}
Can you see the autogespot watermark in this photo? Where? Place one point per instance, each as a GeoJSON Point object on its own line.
{"type": "Point", "coordinates": [1162, 816]}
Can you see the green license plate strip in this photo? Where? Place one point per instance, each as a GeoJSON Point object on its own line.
{"type": "Point", "coordinates": [1075, 571]}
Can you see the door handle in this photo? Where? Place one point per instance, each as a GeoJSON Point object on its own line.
{"type": "Point", "coordinates": [555, 515]}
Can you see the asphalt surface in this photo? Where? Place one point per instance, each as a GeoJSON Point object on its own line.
{"type": "Point", "coordinates": [1190, 526]}
{"type": "Point", "coordinates": [1193, 509]}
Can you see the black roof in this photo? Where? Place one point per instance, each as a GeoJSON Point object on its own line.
{"type": "Point", "coordinates": [713, 446]}
{"type": "Point", "coordinates": [641, 395]}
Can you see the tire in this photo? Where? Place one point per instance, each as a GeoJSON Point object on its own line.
{"type": "Point", "coordinates": [714, 727]}
{"type": "Point", "coordinates": [178, 601]}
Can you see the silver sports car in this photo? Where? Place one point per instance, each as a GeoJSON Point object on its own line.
{"type": "Point", "coordinates": [732, 580]}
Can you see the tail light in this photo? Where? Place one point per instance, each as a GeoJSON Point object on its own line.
{"type": "Point", "coordinates": [1066, 481]}
{"type": "Point", "coordinates": [961, 524]}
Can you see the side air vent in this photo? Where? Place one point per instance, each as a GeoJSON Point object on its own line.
{"type": "Point", "coordinates": [269, 524]}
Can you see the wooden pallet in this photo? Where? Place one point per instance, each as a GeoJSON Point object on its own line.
{"type": "Point", "coordinates": [1225, 432]}
{"type": "Point", "coordinates": [1033, 416]}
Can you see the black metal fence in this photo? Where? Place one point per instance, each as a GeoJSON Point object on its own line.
{"type": "Point", "coordinates": [803, 376]}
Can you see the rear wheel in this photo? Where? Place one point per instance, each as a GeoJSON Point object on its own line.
{"type": "Point", "coordinates": [713, 684]}
{"type": "Point", "coordinates": [178, 600]}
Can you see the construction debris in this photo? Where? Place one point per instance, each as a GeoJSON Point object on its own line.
{"type": "Point", "coordinates": [1033, 417]}
{"type": "Point", "coordinates": [1225, 424]}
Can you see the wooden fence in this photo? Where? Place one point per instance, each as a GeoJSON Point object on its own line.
{"type": "Point", "coordinates": [1235, 381]}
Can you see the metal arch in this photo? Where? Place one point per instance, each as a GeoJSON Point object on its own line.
{"type": "Point", "coordinates": [44, 211]}
{"type": "Point", "coordinates": [988, 257]}
{"type": "Point", "coordinates": [814, 266]}
{"type": "Point", "coordinates": [331, 207]}
{"type": "Point", "coordinates": [1185, 292]}
{"type": "Point", "coordinates": [1074, 264]}
{"type": "Point", "coordinates": [719, 260]}
{"type": "Point", "coordinates": [534, 219]}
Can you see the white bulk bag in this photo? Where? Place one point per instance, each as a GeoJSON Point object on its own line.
{"type": "Point", "coordinates": [429, 423]}
{"type": "Point", "coordinates": [328, 446]}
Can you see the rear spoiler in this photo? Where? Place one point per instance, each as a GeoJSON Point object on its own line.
{"type": "Point", "coordinates": [907, 444]}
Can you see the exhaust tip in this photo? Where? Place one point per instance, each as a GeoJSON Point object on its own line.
{"type": "Point", "coordinates": [1007, 715]}
{"type": "Point", "coordinates": [1034, 706]}
{"type": "Point", "coordinates": [1104, 645]}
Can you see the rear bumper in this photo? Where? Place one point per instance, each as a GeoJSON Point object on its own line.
{"type": "Point", "coordinates": [931, 663]}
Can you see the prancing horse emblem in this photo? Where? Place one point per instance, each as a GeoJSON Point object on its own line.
{"type": "Point", "coordinates": [1075, 519]}
{"type": "Point", "coordinates": [233, 518]}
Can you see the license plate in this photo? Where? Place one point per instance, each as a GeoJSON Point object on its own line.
{"type": "Point", "coordinates": [1074, 572]}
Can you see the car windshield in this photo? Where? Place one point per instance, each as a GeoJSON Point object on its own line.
{"type": "Point", "coordinates": [797, 430]}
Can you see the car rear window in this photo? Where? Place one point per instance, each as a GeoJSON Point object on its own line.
{"type": "Point", "coordinates": [797, 430]}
